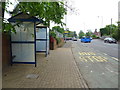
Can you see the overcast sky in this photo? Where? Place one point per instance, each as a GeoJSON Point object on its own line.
{"type": "Point", "coordinates": [91, 14]}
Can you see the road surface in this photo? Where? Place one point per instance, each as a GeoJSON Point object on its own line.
{"type": "Point", "coordinates": [97, 62]}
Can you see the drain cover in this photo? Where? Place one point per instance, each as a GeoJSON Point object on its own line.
{"type": "Point", "coordinates": [32, 76]}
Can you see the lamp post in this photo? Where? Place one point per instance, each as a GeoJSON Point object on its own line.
{"type": "Point", "coordinates": [101, 21]}
{"type": "Point", "coordinates": [111, 27]}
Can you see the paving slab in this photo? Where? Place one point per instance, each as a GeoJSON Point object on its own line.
{"type": "Point", "coordinates": [57, 70]}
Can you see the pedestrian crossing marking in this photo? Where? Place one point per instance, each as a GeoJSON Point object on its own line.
{"type": "Point", "coordinates": [102, 58]}
{"type": "Point", "coordinates": [93, 59]}
{"type": "Point", "coordinates": [90, 59]}
{"type": "Point", "coordinates": [91, 56]}
{"type": "Point", "coordinates": [86, 53]}
{"type": "Point", "coordinates": [83, 59]}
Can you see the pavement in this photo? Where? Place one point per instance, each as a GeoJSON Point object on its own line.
{"type": "Point", "coordinates": [57, 70]}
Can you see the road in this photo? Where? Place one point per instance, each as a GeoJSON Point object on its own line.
{"type": "Point", "coordinates": [106, 48]}
{"type": "Point", "coordinates": [97, 62]}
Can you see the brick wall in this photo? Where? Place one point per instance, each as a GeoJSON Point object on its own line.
{"type": "Point", "coordinates": [54, 45]}
{"type": "Point", "coordinates": [61, 43]}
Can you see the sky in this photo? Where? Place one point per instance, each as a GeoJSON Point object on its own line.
{"type": "Point", "coordinates": [91, 14]}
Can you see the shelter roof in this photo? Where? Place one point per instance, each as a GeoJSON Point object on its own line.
{"type": "Point", "coordinates": [24, 17]}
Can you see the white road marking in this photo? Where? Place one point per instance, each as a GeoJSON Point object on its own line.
{"type": "Point", "coordinates": [116, 72]}
{"type": "Point", "coordinates": [91, 71]}
{"type": "Point", "coordinates": [103, 73]}
{"type": "Point", "coordinates": [104, 53]}
{"type": "Point", "coordinates": [115, 58]}
{"type": "Point", "coordinates": [111, 70]}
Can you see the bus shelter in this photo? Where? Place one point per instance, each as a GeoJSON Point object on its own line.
{"type": "Point", "coordinates": [23, 42]}
{"type": "Point", "coordinates": [42, 39]}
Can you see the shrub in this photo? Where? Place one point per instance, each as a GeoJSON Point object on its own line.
{"type": "Point", "coordinates": [94, 36]}
{"type": "Point", "coordinates": [58, 40]}
{"type": "Point", "coordinates": [53, 34]}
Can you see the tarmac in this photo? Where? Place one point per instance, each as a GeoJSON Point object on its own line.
{"type": "Point", "coordinates": [57, 70]}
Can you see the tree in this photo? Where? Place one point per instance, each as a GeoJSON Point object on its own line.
{"type": "Point", "coordinates": [89, 33]}
{"type": "Point", "coordinates": [6, 27]}
{"type": "Point", "coordinates": [48, 11]}
{"type": "Point", "coordinates": [71, 34]}
{"type": "Point", "coordinates": [81, 34]}
{"type": "Point", "coordinates": [58, 28]}
{"type": "Point", "coordinates": [110, 30]}
{"type": "Point", "coordinates": [104, 31]}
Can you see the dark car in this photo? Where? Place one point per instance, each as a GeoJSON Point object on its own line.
{"type": "Point", "coordinates": [74, 39]}
{"type": "Point", "coordinates": [110, 40]}
{"type": "Point", "coordinates": [68, 38]}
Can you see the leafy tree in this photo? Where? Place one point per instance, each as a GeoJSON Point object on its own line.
{"type": "Point", "coordinates": [6, 27]}
{"type": "Point", "coordinates": [103, 31]}
{"type": "Point", "coordinates": [48, 11]}
{"type": "Point", "coordinates": [58, 28]}
{"type": "Point", "coordinates": [81, 34]}
{"type": "Point", "coordinates": [52, 33]}
{"type": "Point", "coordinates": [108, 30]}
{"type": "Point", "coordinates": [111, 30]}
{"type": "Point", "coordinates": [71, 34]}
{"type": "Point", "coordinates": [75, 34]}
{"type": "Point", "coordinates": [89, 33]}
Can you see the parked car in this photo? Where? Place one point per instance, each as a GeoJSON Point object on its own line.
{"type": "Point", "coordinates": [86, 39]}
{"type": "Point", "coordinates": [74, 39]}
{"type": "Point", "coordinates": [68, 38]}
{"type": "Point", "coordinates": [91, 38]}
{"type": "Point", "coordinates": [110, 40]}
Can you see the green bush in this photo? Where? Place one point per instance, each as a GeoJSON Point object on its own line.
{"type": "Point", "coordinates": [115, 35]}
{"type": "Point", "coordinates": [94, 36]}
{"type": "Point", "coordinates": [97, 37]}
{"type": "Point", "coordinates": [58, 40]}
{"type": "Point", "coordinates": [53, 34]}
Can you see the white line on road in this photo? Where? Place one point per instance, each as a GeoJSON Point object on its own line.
{"type": "Point", "coordinates": [104, 53]}
{"type": "Point", "coordinates": [111, 70]}
{"type": "Point", "coordinates": [103, 73]}
{"type": "Point", "coordinates": [115, 58]}
{"type": "Point", "coordinates": [108, 69]}
{"type": "Point", "coordinates": [116, 73]}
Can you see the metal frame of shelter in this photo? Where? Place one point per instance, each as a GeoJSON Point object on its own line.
{"type": "Point", "coordinates": [42, 38]}
{"type": "Point", "coordinates": [24, 18]}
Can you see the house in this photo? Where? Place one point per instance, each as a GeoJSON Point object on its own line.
{"type": "Point", "coordinates": [97, 33]}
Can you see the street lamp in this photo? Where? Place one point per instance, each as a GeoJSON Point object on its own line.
{"type": "Point", "coordinates": [111, 27]}
{"type": "Point", "coordinates": [101, 21]}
